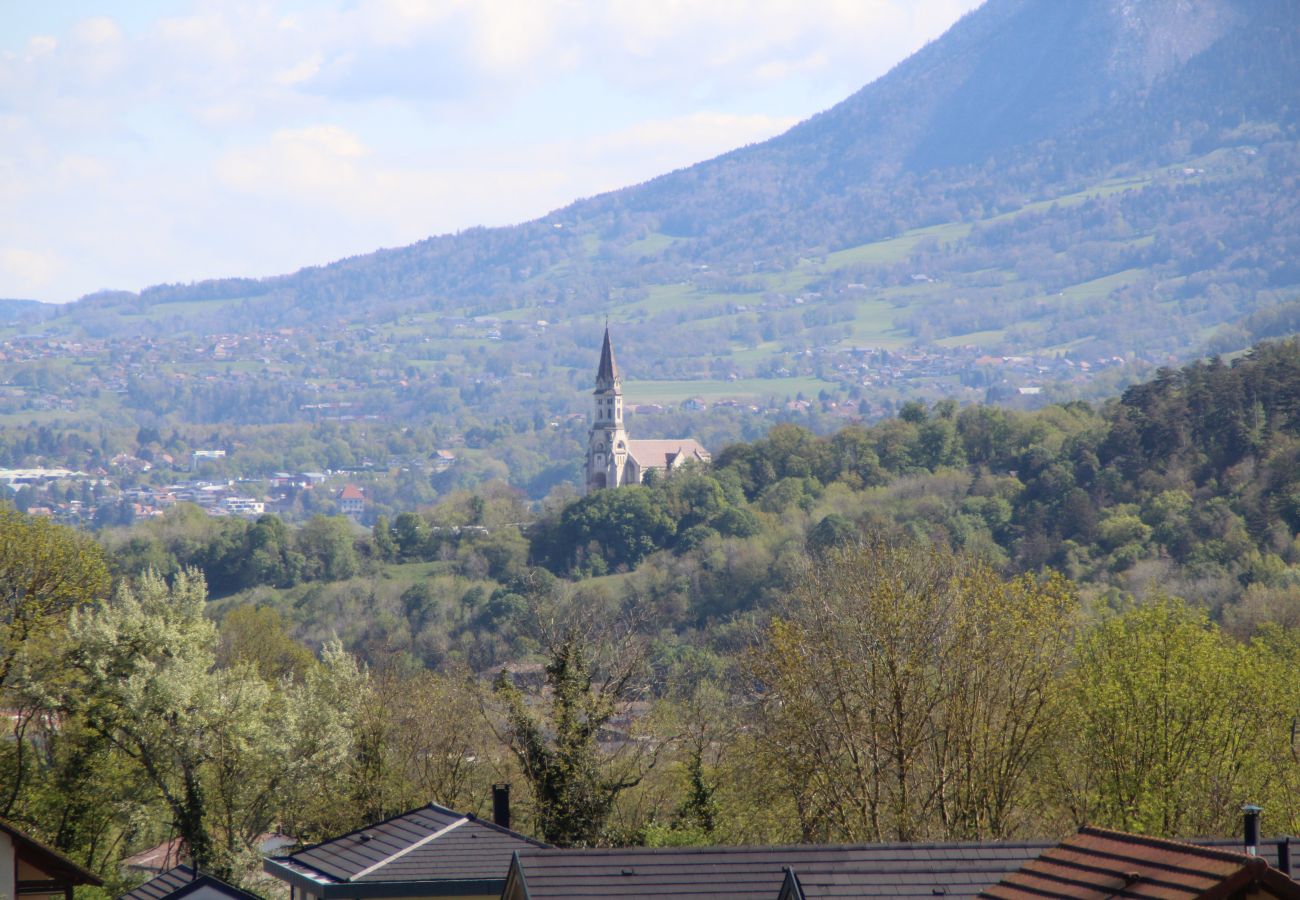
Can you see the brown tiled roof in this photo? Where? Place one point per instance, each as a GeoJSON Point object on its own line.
{"type": "Point", "coordinates": [163, 856]}
{"type": "Point", "coordinates": [181, 881]}
{"type": "Point", "coordinates": [351, 492]}
{"type": "Point", "coordinates": [758, 873]}
{"type": "Point", "coordinates": [664, 453]}
{"type": "Point", "coordinates": [1097, 863]}
{"type": "Point", "coordinates": [431, 844]}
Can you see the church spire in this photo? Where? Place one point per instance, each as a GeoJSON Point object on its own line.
{"type": "Point", "coordinates": [607, 374]}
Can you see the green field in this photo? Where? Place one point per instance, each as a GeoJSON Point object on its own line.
{"type": "Point", "coordinates": [895, 249]}
{"type": "Point", "coordinates": [743, 389]}
{"type": "Point", "coordinates": [1100, 288]}
{"type": "Point", "coordinates": [975, 339]}
{"type": "Point", "coordinates": [650, 245]}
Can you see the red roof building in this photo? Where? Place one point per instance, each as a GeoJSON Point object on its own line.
{"type": "Point", "coordinates": [1097, 863]}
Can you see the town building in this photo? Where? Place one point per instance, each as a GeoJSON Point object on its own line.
{"type": "Point", "coordinates": [352, 502]}
{"type": "Point", "coordinates": [613, 458]}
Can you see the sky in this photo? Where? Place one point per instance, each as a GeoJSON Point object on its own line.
{"type": "Point", "coordinates": [146, 142]}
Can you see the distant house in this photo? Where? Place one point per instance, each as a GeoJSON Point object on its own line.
{"type": "Point", "coordinates": [171, 854]}
{"type": "Point", "coordinates": [184, 881]}
{"type": "Point", "coordinates": [352, 501]}
{"type": "Point", "coordinates": [32, 871]}
{"type": "Point", "coordinates": [244, 506]}
{"type": "Point", "coordinates": [204, 454]}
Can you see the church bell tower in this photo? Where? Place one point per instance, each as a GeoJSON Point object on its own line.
{"type": "Point", "coordinates": [607, 440]}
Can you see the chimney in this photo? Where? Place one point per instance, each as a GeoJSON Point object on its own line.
{"type": "Point", "coordinates": [1251, 833]}
{"type": "Point", "coordinates": [1284, 856]}
{"type": "Point", "coordinates": [501, 805]}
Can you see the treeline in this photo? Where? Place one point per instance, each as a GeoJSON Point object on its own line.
{"type": "Point", "coordinates": [1186, 484]}
{"type": "Point", "coordinates": [1191, 476]}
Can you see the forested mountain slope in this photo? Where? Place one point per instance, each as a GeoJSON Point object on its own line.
{"type": "Point", "coordinates": [1142, 153]}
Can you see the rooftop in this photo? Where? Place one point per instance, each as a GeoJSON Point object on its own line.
{"type": "Point", "coordinates": [429, 844]}
{"type": "Point", "coordinates": [870, 870]}
{"type": "Point", "coordinates": [1098, 863]}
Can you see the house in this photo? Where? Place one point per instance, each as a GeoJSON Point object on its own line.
{"type": "Point", "coordinates": [352, 502]}
{"type": "Point", "coordinates": [249, 507]}
{"type": "Point", "coordinates": [434, 852]}
{"type": "Point", "coordinates": [184, 881]}
{"type": "Point", "coordinates": [613, 458]}
{"type": "Point", "coordinates": [32, 871]}
{"type": "Point", "coordinates": [1097, 863]}
{"type": "Point", "coordinates": [426, 852]}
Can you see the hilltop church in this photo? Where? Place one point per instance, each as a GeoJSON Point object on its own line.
{"type": "Point", "coordinates": [613, 458]}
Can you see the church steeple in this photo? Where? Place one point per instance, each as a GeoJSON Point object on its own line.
{"type": "Point", "coordinates": [607, 377]}
{"type": "Point", "coordinates": [607, 441]}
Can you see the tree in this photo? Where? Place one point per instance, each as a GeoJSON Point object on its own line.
{"type": "Point", "coordinates": [623, 526]}
{"type": "Point", "coordinates": [1170, 721]}
{"type": "Point", "coordinates": [327, 544]}
{"type": "Point", "coordinates": [574, 785]}
{"type": "Point", "coordinates": [46, 571]}
{"type": "Point", "coordinates": [228, 751]}
{"type": "Point", "coordinates": [141, 669]}
{"type": "Point", "coordinates": [906, 693]}
{"type": "Point", "coordinates": [258, 636]}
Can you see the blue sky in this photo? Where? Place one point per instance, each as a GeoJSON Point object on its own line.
{"type": "Point", "coordinates": [147, 142]}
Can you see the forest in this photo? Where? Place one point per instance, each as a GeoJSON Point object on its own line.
{"type": "Point", "coordinates": [959, 623]}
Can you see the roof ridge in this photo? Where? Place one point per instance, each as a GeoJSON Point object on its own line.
{"type": "Point", "coordinates": [509, 832]}
{"type": "Point", "coordinates": [808, 848]}
{"type": "Point", "coordinates": [437, 807]}
{"type": "Point", "coordinates": [1126, 837]}
{"type": "Point", "coordinates": [428, 838]}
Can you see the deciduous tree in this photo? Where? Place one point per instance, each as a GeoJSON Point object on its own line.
{"type": "Point", "coordinates": [905, 692]}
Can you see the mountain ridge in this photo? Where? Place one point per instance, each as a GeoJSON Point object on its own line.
{"type": "Point", "coordinates": [1020, 103]}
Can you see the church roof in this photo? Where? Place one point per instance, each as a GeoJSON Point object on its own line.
{"type": "Point", "coordinates": [607, 373]}
{"type": "Point", "coordinates": [666, 454]}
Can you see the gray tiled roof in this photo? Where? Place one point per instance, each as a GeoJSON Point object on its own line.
{"type": "Point", "coordinates": [874, 870]}
{"type": "Point", "coordinates": [431, 843]}
{"type": "Point", "coordinates": [181, 881]}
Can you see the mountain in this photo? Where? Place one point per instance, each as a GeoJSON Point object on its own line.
{"type": "Point", "coordinates": [1102, 182]}
{"type": "Point", "coordinates": [12, 310]}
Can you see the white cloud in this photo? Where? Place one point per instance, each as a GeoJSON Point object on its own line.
{"type": "Point", "coordinates": [29, 271]}
{"type": "Point", "coordinates": [239, 137]}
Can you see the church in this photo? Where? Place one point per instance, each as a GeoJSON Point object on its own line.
{"type": "Point", "coordinates": [613, 458]}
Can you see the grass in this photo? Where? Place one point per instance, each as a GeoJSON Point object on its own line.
{"type": "Point", "coordinates": [1100, 288]}
{"type": "Point", "coordinates": [975, 339]}
{"type": "Point", "coordinates": [896, 249]}
{"type": "Point", "coordinates": [650, 245]}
